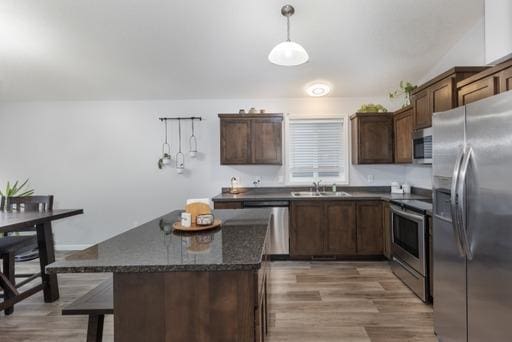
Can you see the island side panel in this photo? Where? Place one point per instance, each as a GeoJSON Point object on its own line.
{"type": "Point", "coordinates": [185, 306]}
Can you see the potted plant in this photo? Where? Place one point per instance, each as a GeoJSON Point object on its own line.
{"type": "Point", "coordinates": [405, 90]}
{"type": "Point", "coordinates": [16, 190]}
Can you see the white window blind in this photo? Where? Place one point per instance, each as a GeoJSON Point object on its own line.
{"type": "Point", "coordinates": [316, 150]}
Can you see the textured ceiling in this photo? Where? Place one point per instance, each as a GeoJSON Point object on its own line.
{"type": "Point", "coordinates": [127, 49]}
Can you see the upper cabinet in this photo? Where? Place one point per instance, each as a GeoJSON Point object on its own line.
{"type": "Point", "coordinates": [439, 94]}
{"type": "Point", "coordinates": [403, 125]}
{"type": "Point", "coordinates": [251, 139]}
{"type": "Point", "coordinates": [492, 81]}
{"type": "Point", "coordinates": [372, 138]}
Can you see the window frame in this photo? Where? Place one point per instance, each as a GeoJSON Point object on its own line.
{"type": "Point", "coordinates": [330, 180]}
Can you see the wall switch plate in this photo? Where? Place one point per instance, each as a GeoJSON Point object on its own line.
{"type": "Point", "coordinates": [280, 179]}
{"type": "Point", "coordinates": [370, 178]}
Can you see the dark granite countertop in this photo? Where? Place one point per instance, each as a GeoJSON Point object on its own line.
{"type": "Point", "coordinates": [237, 245]}
{"type": "Point", "coordinates": [284, 194]}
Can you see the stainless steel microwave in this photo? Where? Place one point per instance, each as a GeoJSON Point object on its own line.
{"type": "Point", "coordinates": [422, 146]}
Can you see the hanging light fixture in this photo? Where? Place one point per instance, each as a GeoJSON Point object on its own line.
{"type": "Point", "coordinates": [166, 151]}
{"type": "Point", "coordinates": [288, 53]}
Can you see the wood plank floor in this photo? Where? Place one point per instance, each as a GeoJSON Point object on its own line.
{"type": "Point", "coordinates": [309, 301]}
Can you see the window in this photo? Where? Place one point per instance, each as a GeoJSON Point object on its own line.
{"type": "Point", "coordinates": [317, 149]}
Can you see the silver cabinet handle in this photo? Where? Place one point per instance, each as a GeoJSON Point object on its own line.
{"type": "Point", "coordinates": [453, 202]}
{"type": "Point", "coordinates": [461, 207]}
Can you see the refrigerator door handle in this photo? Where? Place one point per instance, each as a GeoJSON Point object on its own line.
{"type": "Point", "coordinates": [453, 202]}
{"type": "Point", "coordinates": [461, 202]}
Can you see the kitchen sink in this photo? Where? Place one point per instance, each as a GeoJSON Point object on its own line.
{"type": "Point", "coordinates": [320, 194]}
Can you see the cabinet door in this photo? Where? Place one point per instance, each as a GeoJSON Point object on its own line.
{"type": "Point", "coordinates": [478, 90]}
{"type": "Point", "coordinates": [442, 97]}
{"type": "Point", "coordinates": [386, 228]}
{"type": "Point", "coordinates": [422, 109]}
{"type": "Point", "coordinates": [235, 141]}
{"type": "Point", "coordinates": [341, 237]}
{"type": "Point", "coordinates": [375, 139]}
{"type": "Point", "coordinates": [506, 80]}
{"type": "Point", "coordinates": [266, 141]}
{"type": "Point", "coordinates": [369, 228]}
{"type": "Point", "coordinates": [403, 125]}
{"type": "Point", "coordinates": [307, 228]}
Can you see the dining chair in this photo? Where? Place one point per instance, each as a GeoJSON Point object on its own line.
{"type": "Point", "coordinates": [19, 245]}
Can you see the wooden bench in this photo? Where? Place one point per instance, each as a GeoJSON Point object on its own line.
{"type": "Point", "coordinates": [96, 303]}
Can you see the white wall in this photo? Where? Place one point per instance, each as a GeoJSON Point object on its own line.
{"type": "Point", "coordinates": [102, 156]}
{"type": "Point", "coordinates": [498, 30]}
{"type": "Point", "coordinates": [467, 51]}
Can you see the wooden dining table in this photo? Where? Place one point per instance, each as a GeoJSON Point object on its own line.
{"type": "Point", "coordinates": [15, 221]}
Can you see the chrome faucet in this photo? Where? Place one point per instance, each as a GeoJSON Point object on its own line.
{"type": "Point", "coordinates": [317, 186]}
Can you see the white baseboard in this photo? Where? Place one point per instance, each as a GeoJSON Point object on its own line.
{"type": "Point", "coordinates": [64, 247]}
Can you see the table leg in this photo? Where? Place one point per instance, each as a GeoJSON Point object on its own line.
{"type": "Point", "coordinates": [47, 256]}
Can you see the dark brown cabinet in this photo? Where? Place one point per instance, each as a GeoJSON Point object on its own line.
{"type": "Point", "coordinates": [341, 234]}
{"type": "Point", "coordinates": [505, 78]}
{"type": "Point", "coordinates": [250, 139]}
{"type": "Point", "coordinates": [369, 228]}
{"type": "Point", "coordinates": [438, 94]}
{"type": "Point", "coordinates": [372, 138]}
{"type": "Point", "coordinates": [307, 230]}
{"type": "Point", "coordinates": [478, 90]}
{"type": "Point", "coordinates": [403, 125]}
{"type": "Point", "coordinates": [336, 228]}
{"type": "Point", "coordinates": [487, 83]}
{"type": "Point", "coordinates": [422, 111]}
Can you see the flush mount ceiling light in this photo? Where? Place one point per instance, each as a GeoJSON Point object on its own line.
{"type": "Point", "coordinates": [318, 89]}
{"type": "Point", "coordinates": [288, 53]}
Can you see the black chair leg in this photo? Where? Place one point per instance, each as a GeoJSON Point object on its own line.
{"type": "Point", "coordinates": [95, 328]}
{"type": "Point", "coordinates": [8, 270]}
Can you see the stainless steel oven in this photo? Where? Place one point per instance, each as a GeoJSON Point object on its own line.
{"type": "Point", "coordinates": [422, 146]}
{"type": "Point", "coordinates": [408, 246]}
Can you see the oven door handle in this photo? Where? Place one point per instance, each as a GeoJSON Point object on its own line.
{"type": "Point", "coordinates": [409, 215]}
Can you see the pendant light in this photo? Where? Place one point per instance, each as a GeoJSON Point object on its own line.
{"type": "Point", "coordinates": [193, 143]}
{"type": "Point", "coordinates": [288, 53]}
{"type": "Point", "coordinates": [166, 151]}
{"type": "Point", "coordinates": [180, 157]}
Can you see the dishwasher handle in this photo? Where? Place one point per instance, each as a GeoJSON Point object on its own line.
{"type": "Point", "coordinates": [265, 204]}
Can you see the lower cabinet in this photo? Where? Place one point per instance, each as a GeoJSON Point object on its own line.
{"type": "Point", "coordinates": [307, 228]}
{"type": "Point", "coordinates": [344, 228]}
{"type": "Point", "coordinates": [341, 234]}
{"type": "Point", "coordinates": [369, 228]}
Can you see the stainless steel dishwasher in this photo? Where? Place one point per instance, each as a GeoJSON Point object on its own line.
{"type": "Point", "coordinates": [279, 233]}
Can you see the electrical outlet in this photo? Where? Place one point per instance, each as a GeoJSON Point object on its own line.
{"type": "Point", "coordinates": [370, 178]}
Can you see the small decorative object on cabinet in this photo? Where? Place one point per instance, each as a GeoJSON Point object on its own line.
{"type": "Point", "coordinates": [372, 108]}
{"type": "Point", "coordinates": [439, 94]}
{"type": "Point", "coordinates": [404, 92]}
{"type": "Point", "coordinates": [166, 148]}
{"type": "Point", "coordinates": [251, 139]}
{"type": "Point", "coordinates": [372, 138]}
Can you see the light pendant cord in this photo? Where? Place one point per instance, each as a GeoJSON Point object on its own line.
{"type": "Point", "coordinates": [288, 28]}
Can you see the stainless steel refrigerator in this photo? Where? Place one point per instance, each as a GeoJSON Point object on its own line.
{"type": "Point", "coordinates": [472, 179]}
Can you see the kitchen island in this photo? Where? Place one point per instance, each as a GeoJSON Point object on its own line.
{"type": "Point", "coordinates": [169, 286]}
